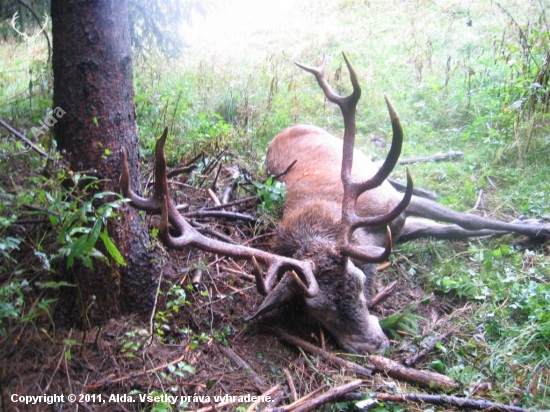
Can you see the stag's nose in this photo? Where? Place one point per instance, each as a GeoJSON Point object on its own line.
{"type": "Point", "coordinates": [378, 336]}
{"type": "Point", "coordinates": [372, 340]}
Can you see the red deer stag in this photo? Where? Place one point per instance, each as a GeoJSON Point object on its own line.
{"type": "Point", "coordinates": [334, 218]}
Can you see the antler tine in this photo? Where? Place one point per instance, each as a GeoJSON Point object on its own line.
{"type": "Point", "coordinates": [356, 222]}
{"type": "Point", "coordinates": [347, 104]}
{"type": "Point", "coordinates": [189, 236]}
{"type": "Point", "coordinates": [153, 204]}
{"type": "Point", "coordinates": [392, 157]}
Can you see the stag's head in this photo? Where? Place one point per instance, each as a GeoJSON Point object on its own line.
{"type": "Point", "coordinates": [341, 305]}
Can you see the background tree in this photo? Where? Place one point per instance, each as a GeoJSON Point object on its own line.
{"type": "Point", "coordinates": [92, 68]}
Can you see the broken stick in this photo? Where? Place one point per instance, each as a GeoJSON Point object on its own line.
{"type": "Point", "coordinates": [392, 368]}
{"type": "Point", "coordinates": [434, 158]}
{"type": "Point", "coordinates": [383, 294]}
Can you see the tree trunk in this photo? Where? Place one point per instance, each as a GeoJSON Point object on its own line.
{"type": "Point", "coordinates": [93, 85]}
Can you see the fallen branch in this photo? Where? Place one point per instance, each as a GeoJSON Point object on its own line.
{"type": "Point", "coordinates": [214, 408]}
{"type": "Point", "coordinates": [392, 368]}
{"type": "Point", "coordinates": [293, 405]}
{"type": "Point", "coordinates": [233, 203]}
{"type": "Point", "coordinates": [352, 366]}
{"type": "Point", "coordinates": [383, 266]}
{"type": "Point", "coordinates": [219, 213]}
{"type": "Point", "coordinates": [213, 197]}
{"type": "Point", "coordinates": [180, 171]}
{"type": "Point", "coordinates": [464, 403]}
{"type": "Point", "coordinates": [480, 204]}
{"type": "Point", "coordinates": [269, 392]}
{"type": "Point", "coordinates": [327, 397]}
{"type": "Point", "coordinates": [20, 136]}
{"type": "Point", "coordinates": [291, 386]}
{"type": "Point", "coordinates": [434, 158]}
{"type": "Point", "coordinates": [229, 189]}
{"type": "Point", "coordinates": [237, 360]}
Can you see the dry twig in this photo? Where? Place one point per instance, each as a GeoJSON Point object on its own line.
{"type": "Point", "coordinates": [213, 197]}
{"type": "Point", "coordinates": [107, 381]}
{"type": "Point", "coordinates": [383, 294]}
{"type": "Point", "coordinates": [21, 137]}
{"type": "Point", "coordinates": [293, 405]}
{"type": "Point", "coordinates": [434, 158]}
{"type": "Point", "coordinates": [420, 377]}
{"type": "Point", "coordinates": [269, 392]}
{"type": "Point", "coordinates": [290, 382]}
{"type": "Point", "coordinates": [219, 213]}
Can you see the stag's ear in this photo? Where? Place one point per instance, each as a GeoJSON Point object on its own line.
{"type": "Point", "coordinates": [281, 294]}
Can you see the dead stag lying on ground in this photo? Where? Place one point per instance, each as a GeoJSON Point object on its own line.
{"type": "Point", "coordinates": [336, 217]}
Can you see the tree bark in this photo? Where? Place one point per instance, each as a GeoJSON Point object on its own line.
{"type": "Point", "coordinates": [93, 85]}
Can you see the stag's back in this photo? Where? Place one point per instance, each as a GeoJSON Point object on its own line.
{"type": "Point", "coordinates": [316, 174]}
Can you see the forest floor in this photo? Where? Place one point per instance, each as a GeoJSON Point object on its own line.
{"type": "Point", "coordinates": [197, 346]}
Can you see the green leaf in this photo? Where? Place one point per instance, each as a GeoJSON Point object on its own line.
{"type": "Point", "coordinates": [54, 285]}
{"type": "Point", "coordinates": [93, 235]}
{"type": "Point", "coordinates": [111, 248]}
{"type": "Point", "coordinates": [437, 365]}
{"type": "Point", "coordinates": [76, 250]}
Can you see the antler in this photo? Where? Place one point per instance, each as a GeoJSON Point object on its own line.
{"type": "Point", "coordinates": [353, 189]}
{"type": "Point", "coordinates": [26, 37]}
{"type": "Point", "coordinates": [160, 202]}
